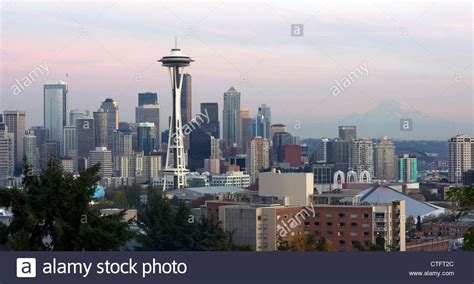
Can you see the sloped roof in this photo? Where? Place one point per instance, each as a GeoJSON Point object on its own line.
{"type": "Point", "coordinates": [413, 207]}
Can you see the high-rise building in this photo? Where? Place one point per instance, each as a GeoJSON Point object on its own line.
{"type": "Point", "coordinates": [321, 151]}
{"type": "Point", "coordinates": [186, 99]}
{"type": "Point", "coordinates": [212, 111]}
{"type": "Point", "coordinates": [215, 148]}
{"type": "Point", "coordinates": [232, 118]}
{"type": "Point", "coordinates": [150, 113]}
{"type": "Point", "coordinates": [347, 133]}
{"type": "Point", "coordinates": [385, 160]}
{"type": "Point", "coordinates": [122, 143]}
{"type": "Point", "coordinates": [280, 139]}
{"type": "Point", "coordinates": [74, 114]}
{"type": "Point", "coordinates": [85, 136]}
{"type": "Point", "coordinates": [69, 141]}
{"type": "Point", "coordinates": [175, 165]}
{"type": "Point", "coordinates": [257, 157]}
{"type": "Point", "coordinates": [31, 151]}
{"type": "Point", "coordinates": [55, 108]}
{"type": "Point", "coordinates": [111, 106]}
{"type": "Point", "coordinates": [292, 154]}
{"type": "Point", "coordinates": [460, 157]}
{"type": "Point", "coordinates": [338, 154]}
{"type": "Point", "coordinates": [53, 149]}
{"type": "Point", "coordinates": [42, 134]}
{"type": "Point", "coordinates": [146, 137]}
{"type": "Point", "coordinates": [200, 142]}
{"type": "Point", "coordinates": [262, 122]}
{"type": "Point", "coordinates": [103, 157]}
{"type": "Point", "coordinates": [101, 128]}
{"type": "Point", "coordinates": [275, 128]}
{"type": "Point", "coordinates": [15, 121]}
{"type": "Point", "coordinates": [361, 156]}
{"type": "Point", "coordinates": [147, 98]}
{"type": "Point", "coordinates": [407, 168]}
{"type": "Point", "coordinates": [7, 152]}
{"type": "Point", "coordinates": [247, 132]}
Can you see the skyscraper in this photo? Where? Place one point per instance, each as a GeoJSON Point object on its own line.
{"type": "Point", "coordinates": [247, 123]}
{"type": "Point", "coordinates": [53, 149]}
{"type": "Point", "coordinates": [42, 134]}
{"type": "Point", "coordinates": [7, 152]}
{"type": "Point", "coordinates": [460, 157]}
{"type": "Point", "coordinates": [150, 113]}
{"type": "Point", "coordinates": [186, 99]}
{"type": "Point", "coordinates": [111, 106]}
{"type": "Point", "coordinates": [232, 118]}
{"type": "Point", "coordinates": [103, 157]}
{"type": "Point", "coordinates": [385, 160]}
{"type": "Point", "coordinates": [407, 168]}
{"type": "Point", "coordinates": [15, 121]}
{"type": "Point", "coordinates": [74, 114]}
{"type": "Point", "coordinates": [175, 159]}
{"type": "Point", "coordinates": [262, 122]}
{"type": "Point", "coordinates": [212, 110]}
{"type": "Point", "coordinates": [101, 128]}
{"type": "Point", "coordinates": [147, 99]}
{"type": "Point", "coordinates": [280, 139]}
{"type": "Point", "coordinates": [55, 108]}
{"type": "Point", "coordinates": [146, 137]}
{"type": "Point", "coordinates": [85, 135]}
{"type": "Point", "coordinates": [322, 151]}
{"type": "Point", "coordinates": [347, 132]}
{"type": "Point", "coordinates": [31, 151]}
{"type": "Point", "coordinates": [69, 141]}
{"type": "Point", "coordinates": [122, 143]}
{"type": "Point", "coordinates": [257, 157]}
{"type": "Point", "coordinates": [361, 156]}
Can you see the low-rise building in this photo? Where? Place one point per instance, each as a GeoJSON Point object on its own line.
{"type": "Point", "coordinates": [239, 179]}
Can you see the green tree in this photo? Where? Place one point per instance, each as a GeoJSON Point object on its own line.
{"type": "Point", "coordinates": [418, 224]}
{"type": "Point", "coordinates": [52, 212]}
{"type": "Point", "coordinates": [171, 228]}
{"type": "Point", "coordinates": [464, 197]}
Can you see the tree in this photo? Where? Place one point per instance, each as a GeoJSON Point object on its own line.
{"type": "Point", "coordinates": [464, 197]}
{"type": "Point", "coordinates": [52, 212]}
{"type": "Point", "coordinates": [324, 244]}
{"type": "Point", "coordinates": [172, 228]}
{"type": "Point", "coordinates": [418, 224]}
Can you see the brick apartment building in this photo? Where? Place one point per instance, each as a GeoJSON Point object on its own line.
{"type": "Point", "coordinates": [451, 230]}
{"type": "Point", "coordinates": [261, 225]}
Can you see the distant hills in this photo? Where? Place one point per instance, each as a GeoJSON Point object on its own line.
{"type": "Point", "coordinates": [384, 120]}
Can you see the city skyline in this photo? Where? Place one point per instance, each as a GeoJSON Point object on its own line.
{"type": "Point", "coordinates": [87, 51]}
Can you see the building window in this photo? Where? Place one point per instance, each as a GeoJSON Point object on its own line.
{"type": "Point", "coordinates": [341, 242]}
{"type": "Point", "coordinates": [317, 215]}
{"type": "Point", "coordinates": [353, 234]}
{"type": "Point", "coordinates": [316, 224]}
{"type": "Point", "coordinates": [366, 233]}
{"type": "Point", "coordinates": [366, 216]}
{"type": "Point", "coordinates": [329, 216]}
{"type": "Point", "coordinates": [365, 225]}
{"type": "Point", "coordinates": [353, 224]}
{"type": "Point", "coordinates": [340, 234]}
{"type": "Point", "coordinates": [259, 218]}
{"type": "Point", "coordinates": [285, 217]}
{"type": "Point", "coordinates": [342, 215]}
{"type": "Point", "coordinates": [329, 224]}
{"type": "Point", "coordinates": [353, 216]}
{"type": "Point", "coordinates": [342, 224]}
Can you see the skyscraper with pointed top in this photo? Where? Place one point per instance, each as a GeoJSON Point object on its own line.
{"type": "Point", "coordinates": [232, 118]}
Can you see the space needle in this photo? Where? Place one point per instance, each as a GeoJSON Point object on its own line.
{"type": "Point", "coordinates": [175, 158]}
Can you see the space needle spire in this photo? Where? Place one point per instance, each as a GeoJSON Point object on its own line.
{"type": "Point", "coordinates": [175, 158]}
